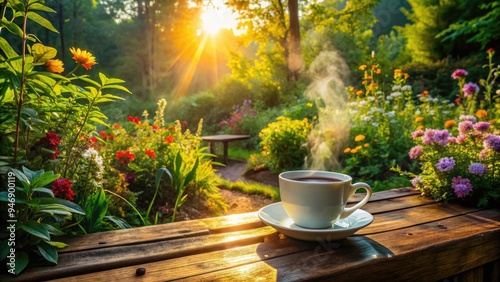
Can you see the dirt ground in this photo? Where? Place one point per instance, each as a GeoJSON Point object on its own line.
{"type": "Point", "coordinates": [239, 202]}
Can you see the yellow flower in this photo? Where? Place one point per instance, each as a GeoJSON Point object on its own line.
{"type": "Point", "coordinates": [362, 67]}
{"type": "Point", "coordinates": [347, 150]}
{"type": "Point", "coordinates": [406, 75]}
{"type": "Point", "coordinates": [83, 58]}
{"type": "Point", "coordinates": [449, 123]}
{"type": "Point", "coordinates": [352, 88]}
{"type": "Point", "coordinates": [54, 66]}
{"type": "Point", "coordinates": [359, 138]}
{"type": "Point", "coordinates": [366, 145]}
{"type": "Point", "coordinates": [373, 86]}
{"type": "Point", "coordinates": [378, 71]}
{"type": "Point", "coordinates": [354, 151]}
{"type": "Point", "coordinates": [419, 119]}
{"type": "Point", "coordinates": [420, 127]}
{"type": "Point", "coordinates": [357, 148]}
{"type": "Point", "coordinates": [481, 113]}
{"type": "Point", "coordinates": [309, 105]}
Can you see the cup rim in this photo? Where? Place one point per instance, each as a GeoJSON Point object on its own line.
{"type": "Point", "coordinates": [308, 172]}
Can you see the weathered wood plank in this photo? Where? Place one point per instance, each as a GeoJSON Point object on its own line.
{"type": "Point", "coordinates": [429, 256]}
{"type": "Point", "coordinates": [136, 235]}
{"type": "Point", "coordinates": [76, 263]}
{"type": "Point", "coordinates": [388, 194]}
{"type": "Point", "coordinates": [295, 254]}
{"type": "Point", "coordinates": [397, 219]}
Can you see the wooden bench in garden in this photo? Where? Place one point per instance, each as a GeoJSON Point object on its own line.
{"type": "Point", "coordinates": [410, 239]}
{"type": "Point", "coordinates": [224, 139]}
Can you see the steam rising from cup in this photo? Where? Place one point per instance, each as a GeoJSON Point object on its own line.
{"type": "Point", "coordinates": [327, 140]}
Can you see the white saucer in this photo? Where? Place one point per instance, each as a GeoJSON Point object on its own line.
{"type": "Point", "coordinates": [274, 215]}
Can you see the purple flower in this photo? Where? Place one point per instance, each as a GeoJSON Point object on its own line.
{"type": "Point", "coordinates": [461, 186]}
{"type": "Point", "coordinates": [415, 152]}
{"type": "Point", "coordinates": [459, 73]}
{"type": "Point", "coordinates": [417, 133]}
{"type": "Point", "coordinates": [445, 164]}
{"type": "Point", "coordinates": [478, 168]}
{"type": "Point", "coordinates": [441, 137]}
{"type": "Point", "coordinates": [482, 126]}
{"type": "Point", "coordinates": [465, 126]}
{"type": "Point", "coordinates": [492, 142]}
{"type": "Point", "coordinates": [470, 89]}
{"type": "Point", "coordinates": [415, 181]}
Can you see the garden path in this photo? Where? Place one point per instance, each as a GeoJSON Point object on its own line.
{"type": "Point", "coordinates": [240, 202]}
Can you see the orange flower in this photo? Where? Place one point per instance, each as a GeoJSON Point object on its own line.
{"type": "Point", "coordinates": [420, 127]}
{"type": "Point", "coordinates": [378, 71]}
{"type": "Point", "coordinates": [362, 67]}
{"type": "Point", "coordinates": [373, 86]}
{"type": "Point", "coordinates": [358, 148]}
{"type": "Point", "coordinates": [347, 150]}
{"type": "Point", "coordinates": [481, 113]}
{"type": "Point", "coordinates": [419, 119]}
{"type": "Point", "coordinates": [83, 58]}
{"type": "Point", "coordinates": [169, 139]}
{"type": "Point", "coordinates": [359, 138]}
{"type": "Point", "coordinates": [406, 75]}
{"type": "Point", "coordinates": [359, 92]}
{"type": "Point", "coordinates": [425, 93]}
{"type": "Point", "coordinates": [366, 145]}
{"type": "Point", "coordinates": [352, 88]}
{"type": "Point", "coordinates": [449, 123]}
{"type": "Point", "coordinates": [54, 66]}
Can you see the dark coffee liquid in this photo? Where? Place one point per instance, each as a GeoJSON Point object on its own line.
{"type": "Point", "coordinates": [317, 179]}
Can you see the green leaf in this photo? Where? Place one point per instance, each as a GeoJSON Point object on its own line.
{"type": "Point", "coordinates": [32, 174]}
{"type": "Point", "coordinates": [119, 87]}
{"type": "Point", "coordinates": [41, 21]}
{"type": "Point", "coordinates": [29, 112]}
{"type": "Point", "coordinates": [58, 245]}
{"type": "Point", "coordinates": [88, 80]}
{"type": "Point", "coordinates": [40, 7]}
{"type": "Point", "coordinates": [10, 53]}
{"type": "Point", "coordinates": [103, 78]}
{"type": "Point", "coordinates": [12, 27]}
{"type": "Point", "coordinates": [36, 229]}
{"type": "Point", "coordinates": [48, 251]}
{"type": "Point", "coordinates": [42, 53]}
{"type": "Point", "coordinates": [192, 173]}
{"type": "Point", "coordinates": [22, 260]}
{"type": "Point", "coordinates": [69, 206]}
{"type": "Point", "coordinates": [96, 209]}
{"type": "Point", "coordinates": [120, 222]}
{"type": "Point", "coordinates": [19, 175]}
{"type": "Point", "coordinates": [45, 178]}
{"type": "Point", "coordinates": [53, 230]}
{"type": "Point", "coordinates": [99, 121]}
{"type": "Point", "coordinates": [43, 190]}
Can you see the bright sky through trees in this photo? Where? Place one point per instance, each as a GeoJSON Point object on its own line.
{"type": "Point", "coordinates": [217, 16]}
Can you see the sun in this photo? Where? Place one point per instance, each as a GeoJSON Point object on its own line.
{"type": "Point", "coordinates": [217, 17]}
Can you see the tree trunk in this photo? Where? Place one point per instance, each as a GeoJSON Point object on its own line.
{"type": "Point", "coordinates": [294, 52]}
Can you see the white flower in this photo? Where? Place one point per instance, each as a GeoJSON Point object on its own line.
{"type": "Point", "coordinates": [406, 88]}
{"type": "Point", "coordinates": [391, 114]}
{"type": "Point", "coordinates": [432, 112]}
{"type": "Point", "coordinates": [362, 103]}
{"type": "Point", "coordinates": [367, 118]}
{"type": "Point", "coordinates": [418, 112]}
{"type": "Point", "coordinates": [390, 97]}
{"type": "Point", "coordinates": [396, 94]}
{"type": "Point", "coordinates": [93, 156]}
{"type": "Point", "coordinates": [375, 124]}
{"type": "Point", "coordinates": [396, 87]}
{"type": "Point", "coordinates": [498, 91]}
{"type": "Point", "coordinates": [371, 98]}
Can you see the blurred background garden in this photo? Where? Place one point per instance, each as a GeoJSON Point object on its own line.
{"type": "Point", "coordinates": [104, 102]}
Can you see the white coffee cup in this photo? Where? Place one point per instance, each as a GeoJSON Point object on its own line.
{"type": "Point", "coordinates": [317, 199]}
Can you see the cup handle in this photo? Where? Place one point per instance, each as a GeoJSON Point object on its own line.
{"type": "Point", "coordinates": [360, 185]}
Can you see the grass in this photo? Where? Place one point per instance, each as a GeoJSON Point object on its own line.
{"type": "Point", "coordinates": [251, 188]}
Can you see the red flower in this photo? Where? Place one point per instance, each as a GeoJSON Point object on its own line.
{"type": "Point", "coordinates": [150, 153]}
{"type": "Point", "coordinates": [169, 139]}
{"type": "Point", "coordinates": [490, 50]}
{"type": "Point", "coordinates": [61, 188]}
{"type": "Point", "coordinates": [135, 120]}
{"type": "Point", "coordinates": [458, 101]}
{"type": "Point", "coordinates": [50, 141]}
{"type": "Point", "coordinates": [155, 127]}
{"type": "Point", "coordinates": [124, 156]}
{"type": "Point", "coordinates": [185, 123]}
{"type": "Point", "coordinates": [116, 126]}
{"type": "Point", "coordinates": [93, 139]}
{"type": "Point", "coordinates": [103, 134]}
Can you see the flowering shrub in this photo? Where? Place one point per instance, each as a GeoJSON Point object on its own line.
{"type": "Point", "coordinates": [463, 162]}
{"type": "Point", "coordinates": [236, 117]}
{"type": "Point", "coordinates": [135, 151]}
{"type": "Point", "coordinates": [283, 143]}
{"type": "Point", "coordinates": [465, 166]}
{"type": "Point", "coordinates": [47, 120]}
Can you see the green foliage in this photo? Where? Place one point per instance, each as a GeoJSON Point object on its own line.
{"type": "Point", "coordinates": [252, 188]}
{"type": "Point", "coordinates": [38, 215]}
{"type": "Point", "coordinates": [283, 143]}
{"type": "Point", "coordinates": [482, 29]}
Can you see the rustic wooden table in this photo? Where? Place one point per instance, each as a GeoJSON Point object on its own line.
{"type": "Point", "coordinates": [410, 239]}
{"type": "Point", "coordinates": [224, 139]}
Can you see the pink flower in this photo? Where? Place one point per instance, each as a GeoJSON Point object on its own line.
{"type": "Point", "coordinates": [459, 73]}
{"type": "Point", "coordinates": [415, 152]}
{"type": "Point", "coordinates": [470, 89]}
